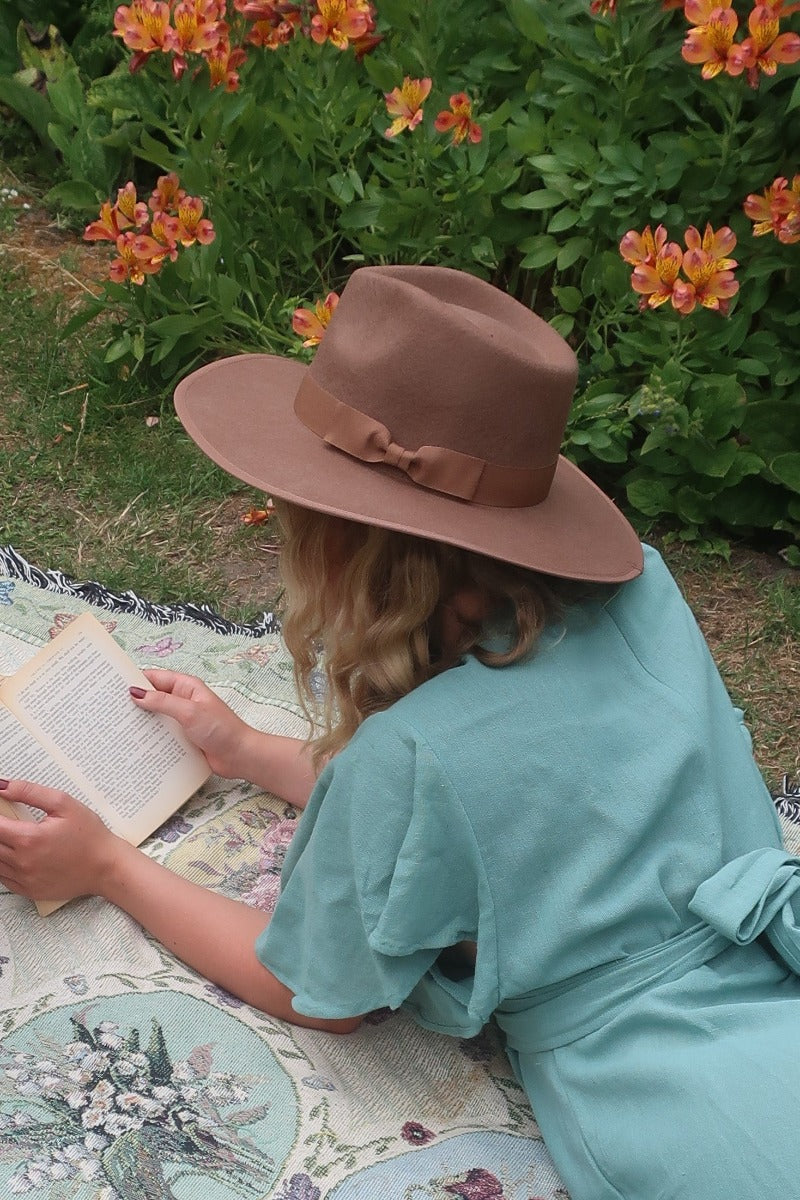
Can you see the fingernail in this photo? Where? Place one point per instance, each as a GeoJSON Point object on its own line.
{"type": "Point", "coordinates": [3, 784]}
{"type": "Point", "coordinates": [137, 693]}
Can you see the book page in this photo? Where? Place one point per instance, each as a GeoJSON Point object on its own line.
{"type": "Point", "coordinates": [21, 757]}
{"type": "Point", "coordinates": [73, 697]}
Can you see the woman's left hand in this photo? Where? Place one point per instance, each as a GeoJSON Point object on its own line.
{"type": "Point", "coordinates": [60, 857]}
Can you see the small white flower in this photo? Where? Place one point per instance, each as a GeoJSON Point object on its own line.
{"type": "Point", "coordinates": [61, 1170]}
{"type": "Point", "coordinates": [117, 1124]}
{"type": "Point", "coordinates": [111, 1039]}
{"type": "Point", "coordinates": [125, 1067]}
{"type": "Point", "coordinates": [165, 1094]}
{"type": "Point", "coordinates": [76, 1099]}
{"type": "Point", "coordinates": [95, 1141]}
{"type": "Point", "coordinates": [94, 1116]}
{"type": "Point", "coordinates": [97, 1062]}
{"type": "Point", "coordinates": [183, 1072]}
{"type": "Point", "coordinates": [29, 1087]}
{"type": "Point", "coordinates": [102, 1093]}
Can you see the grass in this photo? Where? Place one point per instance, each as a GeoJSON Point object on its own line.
{"type": "Point", "coordinates": [89, 486]}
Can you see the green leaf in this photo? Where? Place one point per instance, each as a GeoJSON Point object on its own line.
{"type": "Point", "coordinates": [572, 250]}
{"type": "Point", "coordinates": [786, 467]}
{"type": "Point", "coordinates": [118, 348]}
{"type": "Point", "coordinates": [569, 298]}
{"type": "Point", "coordinates": [794, 99]}
{"type": "Point", "coordinates": [543, 198]}
{"type": "Point", "coordinates": [544, 250]}
{"type": "Point", "coordinates": [693, 506]}
{"type": "Point", "coordinates": [752, 366]}
{"type": "Point", "coordinates": [715, 461]}
{"type": "Point", "coordinates": [563, 324]}
{"type": "Point", "coordinates": [385, 75]}
{"type": "Point", "coordinates": [528, 22]}
{"type": "Point", "coordinates": [73, 193]}
{"type": "Point", "coordinates": [82, 317]}
{"type": "Point", "coordinates": [34, 108]}
{"type": "Point", "coordinates": [565, 218]}
{"type": "Point", "coordinates": [361, 214]}
{"type": "Point", "coordinates": [650, 496]}
{"type": "Point", "coordinates": [153, 151]}
{"type": "Point", "coordinates": [68, 99]}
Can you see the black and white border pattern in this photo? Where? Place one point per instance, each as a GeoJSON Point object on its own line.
{"type": "Point", "coordinates": [787, 800]}
{"type": "Point", "coordinates": [13, 565]}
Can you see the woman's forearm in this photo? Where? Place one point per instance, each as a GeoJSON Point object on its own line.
{"type": "Point", "coordinates": [211, 933]}
{"type": "Point", "coordinates": [281, 765]}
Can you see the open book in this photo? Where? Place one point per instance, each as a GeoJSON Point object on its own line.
{"type": "Point", "coordinates": [67, 721]}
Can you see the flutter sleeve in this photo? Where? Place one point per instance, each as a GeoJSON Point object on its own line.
{"type": "Point", "coordinates": [382, 874]}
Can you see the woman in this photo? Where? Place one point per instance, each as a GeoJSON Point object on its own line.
{"type": "Point", "coordinates": [535, 800]}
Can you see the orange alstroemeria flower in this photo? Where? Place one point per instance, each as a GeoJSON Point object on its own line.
{"type": "Point", "coordinates": [338, 22]}
{"type": "Point", "coordinates": [656, 283]}
{"type": "Point", "coordinates": [459, 119]}
{"type": "Point", "coordinates": [712, 43]}
{"type": "Point", "coordinates": [197, 26]}
{"type": "Point", "coordinates": [708, 285]}
{"type": "Point", "coordinates": [134, 211]}
{"type": "Point", "coordinates": [777, 210]}
{"type": "Point", "coordinates": [603, 8]}
{"type": "Point", "coordinates": [108, 227]}
{"type": "Point", "coordinates": [270, 37]}
{"type": "Point", "coordinates": [405, 104]}
{"type": "Point", "coordinates": [168, 193]}
{"type": "Point", "coordinates": [165, 230]}
{"type": "Point", "coordinates": [223, 64]}
{"type": "Point", "coordinates": [144, 26]}
{"type": "Point", "coordinates": [137, 258]}
{"type": "Point", "coordinates": [191, 228]}
{"type": "Point", "coordinates": [717, 245]}
{"type": "Point", "coordinates": [643, 248]}
{"type": "Point", "coordinates": [709, 269]}
{"type": "Point", "coordinates": [766, 47]}
{"type": "Point", "coordinates": [311, 323]}
{"type": "Point", "coordinates": [783, 8]}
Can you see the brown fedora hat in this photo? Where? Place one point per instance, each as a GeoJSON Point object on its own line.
{"type": "Point", "coordinates": [435, 405]}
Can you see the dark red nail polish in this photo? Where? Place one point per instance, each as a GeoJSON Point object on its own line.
{"type": "Point", "coordinates": [3, 784]}
{"type": "Point", "coordinates": [137, 692]}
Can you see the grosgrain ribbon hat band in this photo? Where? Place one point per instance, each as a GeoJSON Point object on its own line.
{"type": "Point", "coordinates": [436, 467]}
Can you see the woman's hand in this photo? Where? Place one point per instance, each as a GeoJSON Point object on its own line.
{"type": "Point", "coordinates": [281, 765]}
{"type": "Point", "coordinates": [206, 720]}
{"type": "Point", "coordinates": [63, 856]}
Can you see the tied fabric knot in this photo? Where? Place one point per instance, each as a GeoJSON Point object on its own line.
{"type": "Point", "coordinates": [752, 895]}
{"type": "Point", "coordinates": [440, 468]}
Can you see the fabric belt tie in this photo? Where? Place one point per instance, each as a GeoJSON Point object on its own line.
{"type": "Point", "coordinates": [748, 897]}
{"type": "Point", "coordinates": [436, 467]}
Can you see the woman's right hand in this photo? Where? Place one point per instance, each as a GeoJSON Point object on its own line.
{"type": "Point", "coordinates": [207, 721]}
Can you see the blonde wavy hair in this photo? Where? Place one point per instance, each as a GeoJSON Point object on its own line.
{"type": "Point", "coordinates": [366, 607]}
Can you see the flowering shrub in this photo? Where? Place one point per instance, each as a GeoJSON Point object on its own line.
{"type": "Point", "coordinates": [145, 235]}
{"type": "Point", "coordinates": [711, 39]}
{"type": "Point", "coordinates": [548, 148]}
{"type": "Point", "coordinates": [657, 264]}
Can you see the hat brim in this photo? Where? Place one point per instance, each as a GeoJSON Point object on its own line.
{"type": "Point", "coordinates": [240, 412]}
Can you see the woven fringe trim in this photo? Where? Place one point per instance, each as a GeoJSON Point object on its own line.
{"type": "Point", "coordinates": [15, 566]}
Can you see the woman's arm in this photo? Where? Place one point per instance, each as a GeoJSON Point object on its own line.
{"type": "Point", "coordinates": [281, 765]}
{"type": "Point", "coordinates": [72, 853]}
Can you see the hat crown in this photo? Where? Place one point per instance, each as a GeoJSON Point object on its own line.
{"type": "Point", "coordinates": [442, 358]}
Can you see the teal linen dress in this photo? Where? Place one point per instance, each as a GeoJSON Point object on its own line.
{"type": "Point", "coordinates": [593, 819]}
